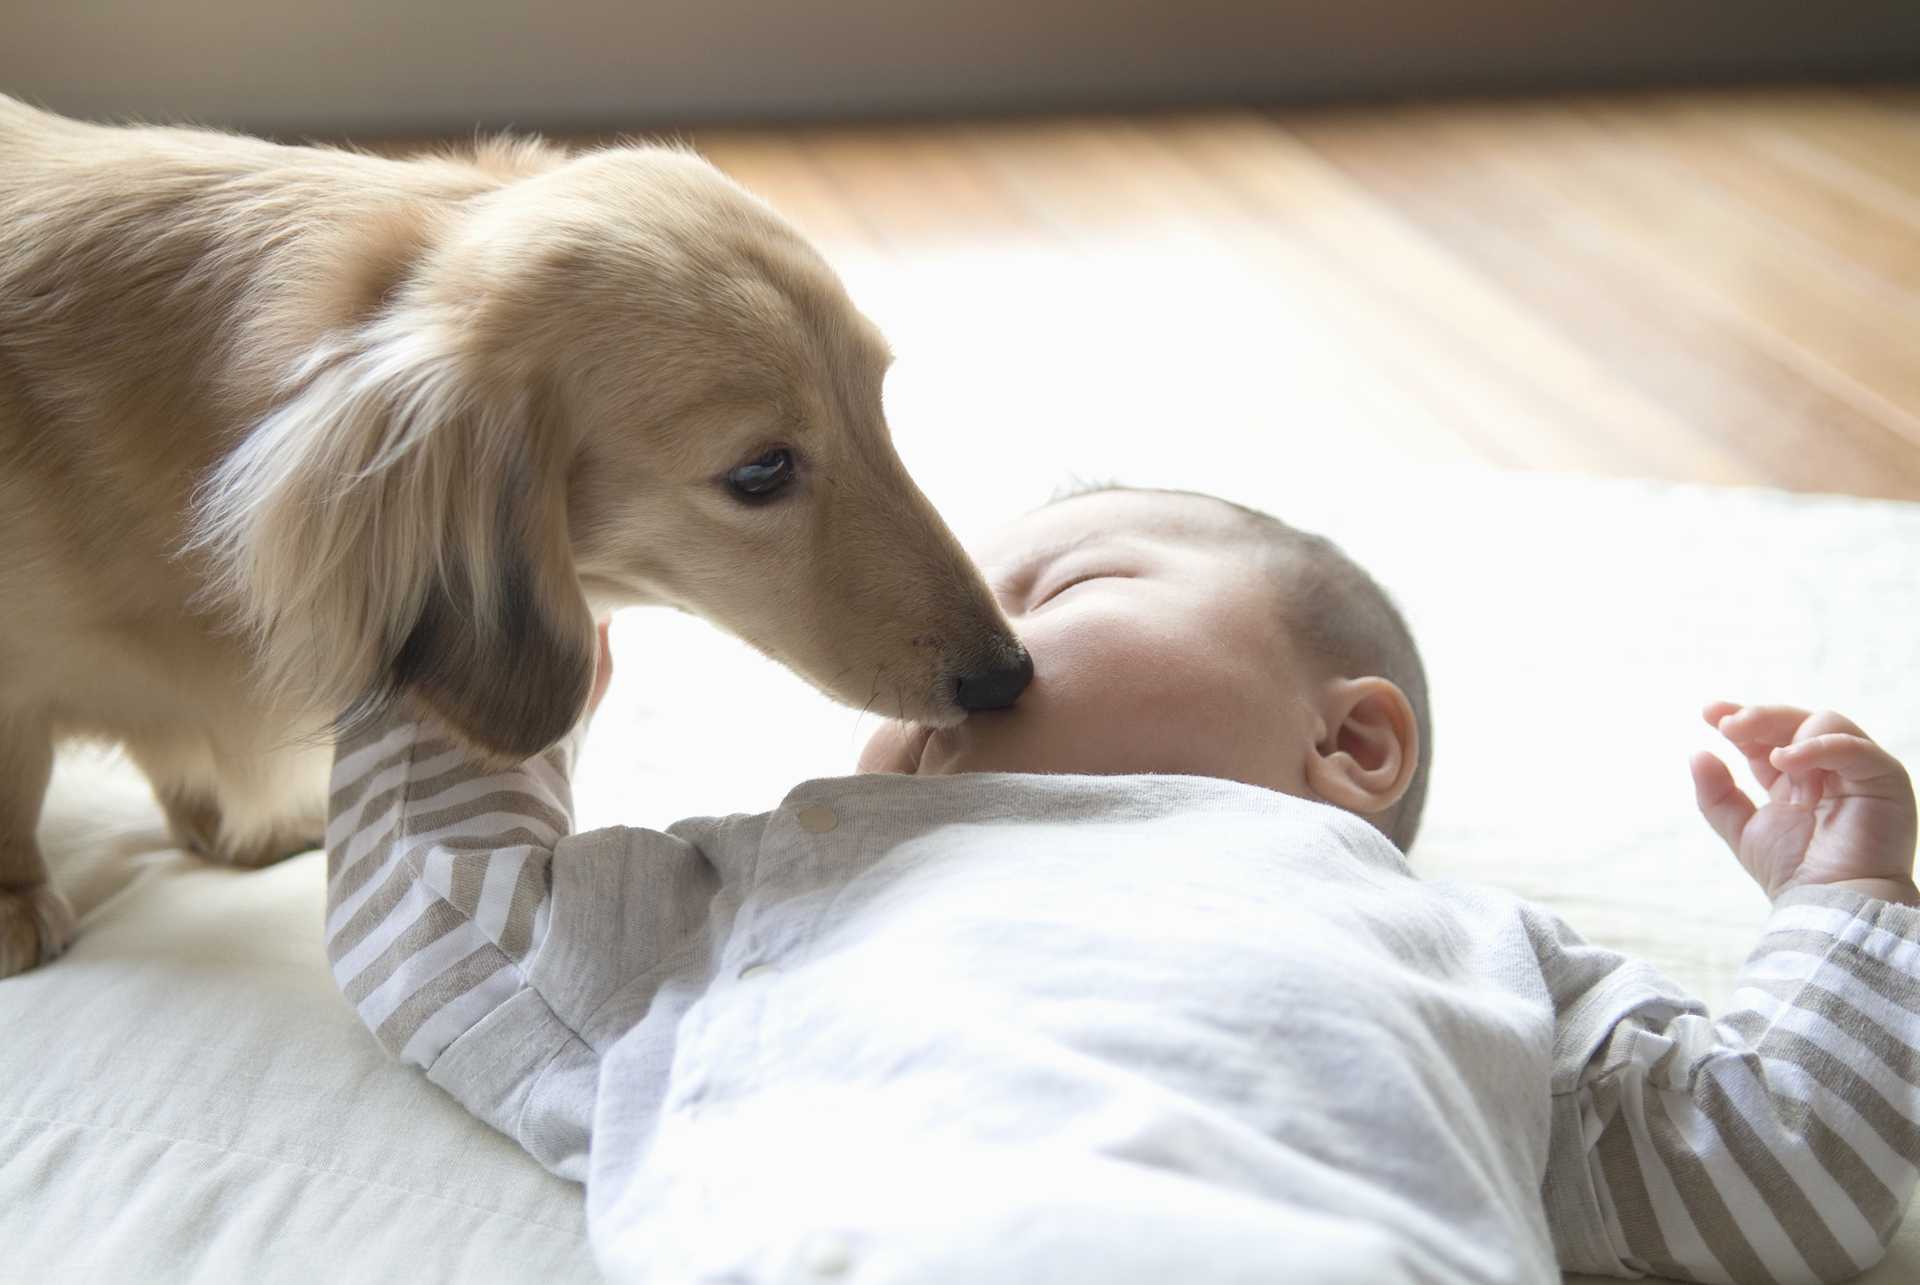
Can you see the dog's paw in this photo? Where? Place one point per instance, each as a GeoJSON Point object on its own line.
{"type": "Point", "coordinates": [35, 925]}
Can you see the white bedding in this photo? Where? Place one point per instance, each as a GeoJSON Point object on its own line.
{"type": "Point", "coordinates": [183, 1097]}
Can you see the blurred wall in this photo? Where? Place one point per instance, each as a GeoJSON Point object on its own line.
{"type": "Point", "coordinates": [321, 66]}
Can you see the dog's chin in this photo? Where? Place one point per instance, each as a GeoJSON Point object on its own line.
{"type": "Point", "coordinates": [937, 708]}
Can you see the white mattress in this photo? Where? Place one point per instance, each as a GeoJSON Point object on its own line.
{"type": "Point", "coordinates": [183, 1097]}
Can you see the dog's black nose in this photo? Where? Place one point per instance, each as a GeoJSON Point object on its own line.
{"type": "Point", "coordinates": [995, 688]}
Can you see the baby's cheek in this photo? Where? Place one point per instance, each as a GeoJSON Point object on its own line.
{"type": "Point", "coordinates": [1103, 687]}
{"type": "Point", "coordinates": [1133, 714]}
{"type": "Point", "coordinates": [1194, 717]}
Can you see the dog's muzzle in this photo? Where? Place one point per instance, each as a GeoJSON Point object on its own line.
{"type": "Point", "coordinates": [997, 686]}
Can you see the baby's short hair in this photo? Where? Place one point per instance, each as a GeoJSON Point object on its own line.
{"type": "Point", "coordinates": [1341, 616]}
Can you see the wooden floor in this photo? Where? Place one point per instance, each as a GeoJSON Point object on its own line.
{"type": "Point", "coordinates": [1706, 287]}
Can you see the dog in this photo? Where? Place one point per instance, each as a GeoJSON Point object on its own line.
{"type": "Point", "coordinates": [288, 433]}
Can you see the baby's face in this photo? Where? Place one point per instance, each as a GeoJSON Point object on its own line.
{"type": "Point", "coordinates": [1158, 645]}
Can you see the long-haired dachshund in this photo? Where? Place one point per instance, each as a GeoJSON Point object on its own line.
{"type": "Point", "coordinates": [292, 431]}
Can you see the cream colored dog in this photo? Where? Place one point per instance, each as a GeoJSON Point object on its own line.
{"type": "Point", "coordinates": [290, 431]}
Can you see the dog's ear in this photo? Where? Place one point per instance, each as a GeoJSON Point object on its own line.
{"type": "Point", "coordinates": [503, 648]}
{"type": "Point", "coordinates": [397, 528]}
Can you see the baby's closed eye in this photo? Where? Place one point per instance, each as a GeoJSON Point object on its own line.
{"type": "Point", "coordinates": [1071, 582]}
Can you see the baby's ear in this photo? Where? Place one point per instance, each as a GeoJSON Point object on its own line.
{"type": "Point", "coordinates": [1366, 759]}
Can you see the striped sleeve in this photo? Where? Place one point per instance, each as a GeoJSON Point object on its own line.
{"type": "Point", "coordinates": [1778, 1144]}
{"type": "Point", "coordinates": [438, 880]}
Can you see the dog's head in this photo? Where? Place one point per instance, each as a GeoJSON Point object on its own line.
{"type": "Point", "coordinates": [620, 380]}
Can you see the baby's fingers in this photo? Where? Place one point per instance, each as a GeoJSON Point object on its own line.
{"type": "Point", "coordinates": [1761, 724]}
{"type": "Point", "coordinates": [602, 667]}
{"type": "Point", "coordinates": [1721, 802]}
{"type": "Point", "coordinates": [1738, 723]}
{"type": "Point", "coordinates": [1862, 767]}
{"type": "Point", "coordinates": [1718, 710]}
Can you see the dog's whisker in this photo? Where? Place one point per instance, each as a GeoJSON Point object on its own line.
{"type": "Point", "coordinates": [853, 732]}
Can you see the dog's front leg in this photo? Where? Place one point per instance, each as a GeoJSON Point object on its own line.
{"type": "Point", "coordinates": [35, 921]}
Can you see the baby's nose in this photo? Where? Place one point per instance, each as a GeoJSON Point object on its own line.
{"type": "Point", "coordinates": [998, 686]}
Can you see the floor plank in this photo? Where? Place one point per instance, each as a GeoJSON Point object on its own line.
{"type": "Point", "coordinates": [1714, 287]}
{"type": "Point", "coordinates": [1743, 331]}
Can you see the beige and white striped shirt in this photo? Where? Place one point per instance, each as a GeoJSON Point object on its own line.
{"type": "Point", "coordinates": [1125, 1029]}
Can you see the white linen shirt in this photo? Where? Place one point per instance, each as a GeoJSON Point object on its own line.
{"type": "Point", "coordinates": [1017, 1028]}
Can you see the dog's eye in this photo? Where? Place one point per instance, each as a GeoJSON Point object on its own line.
{"type": "Point", "coordinates": [760, 479]}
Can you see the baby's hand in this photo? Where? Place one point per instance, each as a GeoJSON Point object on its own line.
{"type": "Point", "coordinates": [602, 669]}
{"type": "Point", "coordinates": [1839, 810]}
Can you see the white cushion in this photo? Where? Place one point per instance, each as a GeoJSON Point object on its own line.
{"type": "Point", "coordinates": [184, 1097]}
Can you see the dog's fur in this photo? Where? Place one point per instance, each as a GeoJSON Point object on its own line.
{"type": "Point", "coordinates": [291, 431]}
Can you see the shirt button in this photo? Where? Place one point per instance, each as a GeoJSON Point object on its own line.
{"type": "Point", "coordinates": [815, 819]}
{"type": "Point", "coordinates": [752, 971]}
{"type": "Point", "coordinates": [827, 1255]}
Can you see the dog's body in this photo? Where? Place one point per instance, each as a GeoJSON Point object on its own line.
{"type": "Point", "coordinates": [287, 431]}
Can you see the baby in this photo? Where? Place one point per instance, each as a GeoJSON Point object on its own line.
{"type": "Point", "coordinates": [1132, 982]}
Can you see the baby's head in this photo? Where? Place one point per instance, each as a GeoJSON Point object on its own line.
{"type": "Point", "coordinates": [1179, 633]}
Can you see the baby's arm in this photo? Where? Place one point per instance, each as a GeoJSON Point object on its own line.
{"type": "Point", "coordinates": [438, 877]}
{"type": "Point", "coordinates": [1780, 1143]}
{"type": "Point", "coordinates": [437, 880]}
